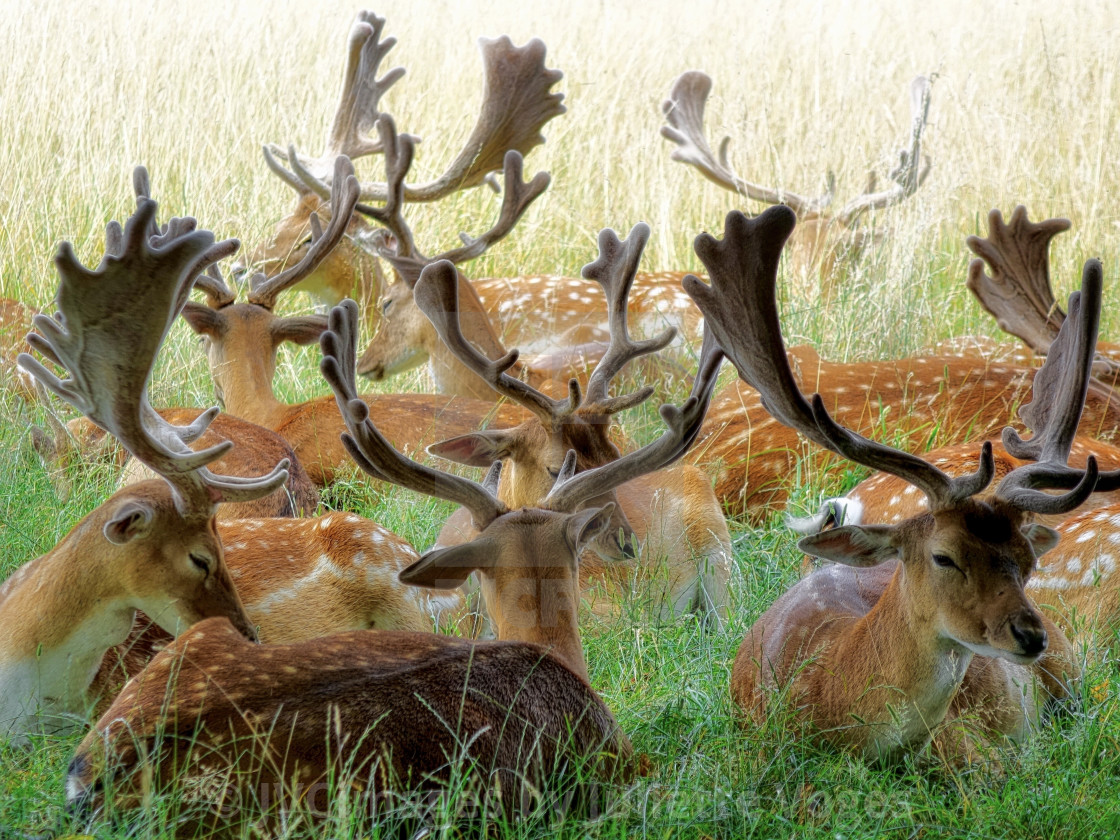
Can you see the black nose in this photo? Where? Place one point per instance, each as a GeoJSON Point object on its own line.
{"type": "Point", "coordinates": [1031, 638]}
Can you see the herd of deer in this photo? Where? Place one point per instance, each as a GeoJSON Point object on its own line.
{"type": "Point", "coordinates": [934, 617]}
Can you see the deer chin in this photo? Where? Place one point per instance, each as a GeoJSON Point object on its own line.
{"type": "Point", "coordinates": [994, 652]}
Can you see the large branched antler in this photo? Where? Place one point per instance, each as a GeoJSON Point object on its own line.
{"type": "Point", "coordinates": [615, 270]}
{"type": "Point", "coordinates": [403, 254]}
{"type": "Point", "coordinates": [1017, 292]}
{"type": "Point", "coordinates": [357, 111]}
{"type": "Point", "coordinates": [684, 111]}
{"type": "Point", "coordinates": [368, 447]}
{"type": "Point", "coordinates": [264, 291]}
{"type": "Point", "coordinates": [1058, 397]}
{"type": "Point", "coordinates": [740, 309]}
{"type": "Point", "coordinates": [683, 424]}
{"type": "Point", "coordinates": [437, 294]}
{"type": "Point", "coordinates": [111, 324]}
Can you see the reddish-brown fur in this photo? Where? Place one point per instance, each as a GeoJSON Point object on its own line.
{"type": "Point", "coordinates": [913, 402]}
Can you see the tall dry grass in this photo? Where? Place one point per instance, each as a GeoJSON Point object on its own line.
{"type": "Point", "coordinates": [1026, 106]}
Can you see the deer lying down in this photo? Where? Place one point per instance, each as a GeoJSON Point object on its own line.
{"type": "Point", "coordinates": [875, 660]}
{"type": "Point", "coordinates": [152, 546]}
{"type": "Point", "coordinates": [366, 712]}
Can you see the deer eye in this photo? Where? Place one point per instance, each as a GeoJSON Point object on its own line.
{"type": "Point", "coordinates": [201, 563]}
{"type": "Point", "coordinates": [386, 305]}
{"type": "Point", "coordinates": [944, 561]}
{"type": "Point", "coordinates": [555, 473]}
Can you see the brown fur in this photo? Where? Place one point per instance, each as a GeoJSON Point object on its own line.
{"type": "Point", "coordinates": [945, 400]}
{"type": "Point", "coordinates": [243, 338]}
{"type": "Point", "coordinates": [389, 708]}
{"type": "Point", "coordinates": [255, 452]}
{"type": "Point", "coordinates": [15, 321]}
{"type": "Point", "coordinates": [873, 660]}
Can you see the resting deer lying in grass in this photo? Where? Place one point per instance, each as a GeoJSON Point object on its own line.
{"type": "Point", "coordinates": [874, 661]}
{"type": "Point", "coordinates": [151, 546]}
{"type": "Point", "coordinates": [516, 104]}
{"type": "Point", "coordinates": [242, 339]}
{"type": "Point", "coordinates": [824, 238]}
{"type": "Point", "coordinates": [370, 711]}
{"type": "Point", "coordinates": [684, 556]}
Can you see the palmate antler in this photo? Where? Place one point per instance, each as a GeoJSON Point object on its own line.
{"type": "Point", "coordinates": [357, 111]}
{"type": "Point", "coordinates": [400, 248]}
{"type": "Point", "coordinates": [740, 309]}
{"type": "Point", "coordinates": [111, 324]}
{"type": "Point", "coordinates": [517, 102]}
{"type": "Point", "coordinates": [684, 113]}
{"type": "Point", "coordinates": [376, 456]}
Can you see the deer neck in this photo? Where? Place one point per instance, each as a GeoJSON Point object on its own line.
{"type": "Point", "coordinates": [57, 619]}
{"type": "Point", "coordinates": [899, 647]}
{"type": "Point", "coordinates": [249, 394]}
{"type": "Point", "coordinates": [541, 612]}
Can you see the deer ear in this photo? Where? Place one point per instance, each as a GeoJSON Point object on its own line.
{"type": "Point", "coordinates": [131, 521]}
{"type": "Point", "coordinates": [448, 568]}
{"type": "Point", "coordinates": [585, 525]}
{"type": "Point", "coordinates": [298, 329]}
{"type": "Point", "coordinates": [204, 320]}
{"type": "Point", "coordinates": [853, 545]}
{"type": "Point", "coordinates": [1041, 538]}
{"type": "Point", "coordinates": [478, 449]}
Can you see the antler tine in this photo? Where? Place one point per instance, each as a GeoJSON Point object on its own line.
{"type": "Point", "coordinates": [1059, 390]}
{"type": "Point", "coordinates": [683, 425]}
{"type": "Point", "coordinates": [142, 187]}
{"type": "Point", "coordinates": [517, 196]}
{"type": "Point", "coordinates": [437, 295]}
{"type": "Point", "coordinates": [109, 332]}
{"type": "Point", "coordinates": [357, 110]}
{"type": "Point", "coordinates": [516, 104]}
{"type": "Point", "coordinates": [741, 311]}
{"type": "Point", "coordinates": [365, 443]}
{"type": "Point", "coordinates": [399, 150]}
{"type": "Point", "coordinates": [1017, 293]}
{"type": "Point", "coordinates": [615, 270]}
{"type": "Point", "coordinates": [265, 290]}
{"type": "Point", "coordinates": [214, 286]}
{"type": "Point", "coordinates": [912, 167]}
{"type": "Point", "coordinates": [684, 111]}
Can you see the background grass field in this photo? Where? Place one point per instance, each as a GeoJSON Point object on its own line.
{"type": "Point", "coordinates": [1026, 108]}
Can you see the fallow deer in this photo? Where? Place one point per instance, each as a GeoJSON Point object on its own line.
{"type": "Point", "coordinates": [823, 236]}
{"type": "Point", "coordinates": [874, 660]}
{"type": "Point", "coordinates": [685, 549]}
{"type": "Point", "coordinates": [407, 338]}
{"type": "Point", "coordinates": [242, 340]}
{"type": "Point", "coordinates": [366, 711]}
{"type": "Point", "coordinates": [517, 102]}
{"type": "Point", "coordinates": [152, 546]}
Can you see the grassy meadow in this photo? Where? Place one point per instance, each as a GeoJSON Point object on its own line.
{"type": "Point", "coordinates": [1025, 109]}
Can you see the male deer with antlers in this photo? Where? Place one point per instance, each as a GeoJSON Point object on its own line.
{"type": "Point", "coordinates": [151, 546]}
{"type": "Point", "coordinates": [685, 548]}
{"type": "Point", "coordinates": [823, 236]}
{"type": "Point", "coordinates": [874, 661]}
{"type": "Point", "coordinates": [242, 340]}
{"type": "Point", "coordinates": [391, 708]}
{"type": "Point", "coordinates": [517, 102]}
